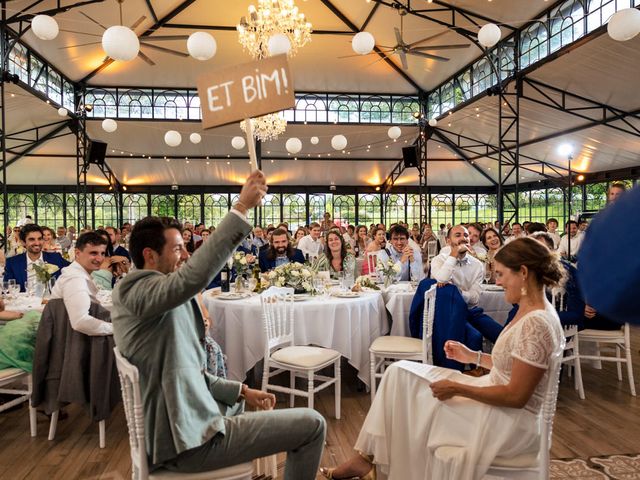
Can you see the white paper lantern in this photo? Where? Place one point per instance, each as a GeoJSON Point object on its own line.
{"type": "Point", "coordinates": [293, 145]}
{"type": "Point", "coordinates": [433, 122]}
{"type": "Point", "coordinates": [238, 143]}
{"type": "Point", "coordinates": [315, 140]}
{"type": "Point", "coordinates": [63, 112]}
{"type": "Point", "coordinates": [172, 138]}
{"type": "Point", "coordinates": [195, 138]}
{"type": "Point", "coordinates": [201, 46]}
{"type": "Point", "coordinates": [363, 43]}
{"type": "Point", "coordinates": [120, 43]}
{"type": "Point", "coordinates": [109, 125]}
{"type": "Point", "coordinates": [394, 133]}
{"type": "Point", "coordinates": [44, 27]}
{"type": "Point", "coordinates": [279, 44]}
{"type": "Point", "coordinates": [624, 25]}
{"type": "Point", "coordinates": [489, 35]}
{"type": "Point", "coordinates": [339, 142]}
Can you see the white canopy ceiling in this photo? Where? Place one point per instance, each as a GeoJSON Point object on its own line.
{"type": "Point", "coordinates": [601, 69]}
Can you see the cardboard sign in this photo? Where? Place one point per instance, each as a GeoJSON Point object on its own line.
{"type": "Point", "coordinates": [245, 91]}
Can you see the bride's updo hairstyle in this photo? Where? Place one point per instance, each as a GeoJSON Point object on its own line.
{"type": "Point", "coordinates": [539, 260]}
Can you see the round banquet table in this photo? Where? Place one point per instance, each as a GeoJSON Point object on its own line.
{"type": "Point", "coordinates": [398, 298]}
{"type": "Point", "coordinates": [347, 325]}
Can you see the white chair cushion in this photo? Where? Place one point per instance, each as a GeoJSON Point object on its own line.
{"type": "Point", "coordinates": [589, 333]}
{"type": "Point", "coordinates": [396, 344]}
{"type": "Point", "coordinates": [306, 357]}
{"type": "Point", "coordinates": [9, 373]}
{"type": "Point", "coordinates": [244, 471]}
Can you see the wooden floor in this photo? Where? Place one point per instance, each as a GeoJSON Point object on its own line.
{"type": "Point", "coordinates": [607, 422]}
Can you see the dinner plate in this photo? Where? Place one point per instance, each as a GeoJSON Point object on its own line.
{"type": "Point", "coordinates": [493, 288]}
{"type": "Point", "coordinates": [301, 298]}
{"type": "Point", "coordinates": [231, 296]}
{"type": "Point", "coordinates": [346, 294]}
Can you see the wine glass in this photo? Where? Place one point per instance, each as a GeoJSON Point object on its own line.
{"type": "Point", "coordinates": [13, 288]}
{"type": "Point", "coordinates": [5, 289]}
{"type": "Point", "coordinates": [488, 272]}
{"type": "Point", "coordinates": [252, 283]}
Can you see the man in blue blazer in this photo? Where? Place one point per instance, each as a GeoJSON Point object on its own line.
{"type": "Point", "coordinates": [280, 251]}
{"type": "Point", "coordinates": [18, 267]}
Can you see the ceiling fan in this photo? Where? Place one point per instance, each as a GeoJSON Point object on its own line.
{"type": "Point", "coordinates": [144, 42]}
{"type": "Point", "coordinates": [402, 49]}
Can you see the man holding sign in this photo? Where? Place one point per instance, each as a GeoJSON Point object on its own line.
{"type": "Point", "coordinates": [194, 421]}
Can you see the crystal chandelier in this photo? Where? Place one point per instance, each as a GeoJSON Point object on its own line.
{"type": "Point", "coordinates": [272, 17]}
{"type": "Point", "coordinates": [268, 127]}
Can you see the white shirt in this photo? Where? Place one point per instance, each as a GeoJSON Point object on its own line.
{"type": "Point", "coordinates": [31, 274]}
{"type": "Point", "coordinates": [77, 289]}
{"type": "Point", "coordinates": [556, 239]}
{"type": "Point", "coordinates": [478, 248]}
{"type": "Point", "coordinates": [309, 246]}
{"type": "Point", "coordinates": [466, 274]}
{"type": "Point", "coordinates": [408, 270]}
{"type": "Point", "coordinates": [575, 245]}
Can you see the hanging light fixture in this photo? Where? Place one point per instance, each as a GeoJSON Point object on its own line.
{"type": "Point", "coordinates": [268, 127]}
{"type": "Point", "coordinates": [270, 18]}
{"type": "Point", "coordinates": [44, 27]}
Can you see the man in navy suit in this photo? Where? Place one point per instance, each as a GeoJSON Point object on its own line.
{"type": "Point", "coordinates": [19, 268]}
{"type": "Point", "coordinates": [114, 235]}
{"type": "Point", "coordinates": [280, 251]}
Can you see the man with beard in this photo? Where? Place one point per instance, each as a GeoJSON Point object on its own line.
{"type": "Point", "coordinates": [280, 251]}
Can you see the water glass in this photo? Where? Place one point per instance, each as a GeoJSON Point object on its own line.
{"type": "Point", "coordinates": [252, 284]}
{"type": "Point", "coordinates": [5, 289]}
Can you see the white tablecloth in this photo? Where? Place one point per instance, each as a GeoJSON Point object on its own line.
{"type": "Point", "coordinates": [398, 298]}
{"type": "Point", "coordinates": [347, 325]}
{"type": "Point", "coordinates": [24, 303]}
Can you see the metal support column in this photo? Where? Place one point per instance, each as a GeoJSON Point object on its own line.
{"type": "Point", "coordinates": [4, 57]}
{"type": "Point", "coordinates": [509, 151]}
{"type": "Point", "coordinates": [82, 164]}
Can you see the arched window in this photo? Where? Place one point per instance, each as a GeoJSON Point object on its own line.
{"type": "Point", "coordinates": [271, 209]}
{"type": "Point", "coordinates": [134, 207]}
{"type": "Point", "coordinates": [524, 207]}
{"type": "Point", "coordinates": [344, 209]}
{"type": "Point", "coordinates": [369, 209]}
{"type": "Point", "coordinates": [555, 205]}
{"type": "Point", "coordinates": [251, 217]}
{"type": "Point", "coordinates": [163, 206]}
{"type": "Point", "coordinates": [441, 210]}
{"type": "Point", "coordinates": [413, 209]}
{"type": "Point", "coordinates": [50, 210]}
{"type": "Point", "coordinates": [319, 203]}
{"type": "Point", "coordinates": [310, 108]}
{"type": "Point", "coordinates": [189, 208]}
{"type": "Point", "coordinates": [566, 24]}
{"type": "Point", "coordinates": [216, 207]}
{"type": "Point", "coordinates": [19, 206]}
{"type": "Point", "coordinates": [294, 210]}
{"type": "Point", "coordinates": [487, 208]}
{"type": "Point", "coordinates": [105, 212]}
{"type": "Point", "coordinates": [465, 209]}
{"type": "Point", "coordinates": [394, 209]}
{"type": "Point", "coordinates": [135, 104]}
{"type": "Point", "coordinates": [538, 206]}
{"type": "Point", "coordinates": [534, 44]}
{"type": "Point", "coordinates": [72, 211]}
{"type": "Point", "coordinates": [171, 104]}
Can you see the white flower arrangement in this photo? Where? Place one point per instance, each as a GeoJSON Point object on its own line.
{"type": "Point", "coordinates": [482, 257]}
{"type": "Point", "coordinates": [294, 275]}
{"type": "Point", "coordinates": [365, 281]}
{"type": "Point", "coordinates": [389, 270]}
{"type": "Point", "coordinates": [45, 271]}
{"type": "Point", "coordinates": [240, 263]}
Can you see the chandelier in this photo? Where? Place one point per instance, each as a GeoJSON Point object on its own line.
{"type": "Point", "coordinates": [270, 18]}
{"type": "Point", "coordinates": [268, 127]}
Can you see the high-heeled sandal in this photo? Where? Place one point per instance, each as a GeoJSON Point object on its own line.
{"type": "Point", "coordinates": [371, 474]}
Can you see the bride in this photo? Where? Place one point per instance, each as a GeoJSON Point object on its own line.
{"type": "Point", "coordinates": [485, 417]}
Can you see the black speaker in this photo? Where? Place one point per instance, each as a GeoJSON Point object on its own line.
{"type": "Point", "coordinates": [410, 156]}
{"type": "Point", "coordinates": [96, 151]}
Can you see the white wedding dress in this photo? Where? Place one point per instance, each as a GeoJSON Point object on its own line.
{"type": "Point", "coordinates": [406, 423]}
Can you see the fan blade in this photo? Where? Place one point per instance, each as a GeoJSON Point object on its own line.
{"type": "Point", "coordinates": [426, 39]}
{"type": "Point", "coordinates": [428, 55]}
{"type": "Point", "coordinates": [442, 47]}
{"type": "Point", "coordinates": [403, 59]}
{"type": "Point", "coordinates": [94, 21]}
{"type": "Point", "coordinates": [165, 50]}
{"type": "Point", "coordinates": [146, 59]}
{"type": "Point", "coordinates": [80, 45]}
{"type": "Point", "coordinates": [166, 37]}
{"type": "Point", "coordinates": [398, 36]}
{"type": "Point", "coordinates": [138, 22]}
{"type": "Point", "coordinates": [80, 33]}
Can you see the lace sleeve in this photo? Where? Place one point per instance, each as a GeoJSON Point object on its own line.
{"type": "Point", "coordinates": [534, 343]}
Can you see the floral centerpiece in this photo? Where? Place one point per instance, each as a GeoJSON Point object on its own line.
{"type": "Point", "coordinates": [389, 271]}
{"type": "Point", "coordinates": [44, 274]}
{"type": "Point", "coordinates": [295, 275]}
{"type": "Point", "coordinates": [364, 281]}
{"type": "Point", "coordinates": [241, 263]}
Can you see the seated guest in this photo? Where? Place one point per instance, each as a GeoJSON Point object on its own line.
{"type": "Point", "coordinates": [63, 239]}
{"type": "Point", "coordinates": [504, 407]}
{"type": "Point", "coordinates": [427, 237]}
{"type": "Point", "coordinates": [300, 233]}
{"type": "Point", "coordinates": [311, 245]}
{"type": "Point", "coordinates": [616, 190]}
{"type": "Point", "coordinates": [361, 241]}
{"type": "Point", "coordinates": [114, 238]}
{"type": "Point", "coordinates": [534, 227]}
{"type": "Point", "coordinates": [49, 243]}
{"type": "Point", "coordinates": [570, 243]}
{"type": "Point", "coordinates": [516, 232]}
{"type": "Point", "coordinates": [376, 250]}
{"type": "Point", "coordinates": [475, 245]}
{"type": "Point", "coordinates": [113, 268]}
{"type": "Point", "coordinates": [407, 257]}
{"type": "Point", "coordinates": [493, 241]}
{"type": "Point", "coordinates": [205, 235]}
{"type": "Point", "coordinates": [335, 257]}
{"type": "Point", "coordinates": [19, 268]}
{"type": "Point", "coordinates": [77, 289]}
{"type": "Point", "coordinates": [195, 421]}
{"type": "Point", "coordinates": [189, 242]}
{"type": "Point", "coordinates": [279, 252]}
{"type": "Point", "coordinates": [258, 238]}
{"type": "Point", "coordinates": [552, 227]}
{"type": "Point", "coordinates": [582, 227]}
{"type": "Point", "coordinates": [327, 223]}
